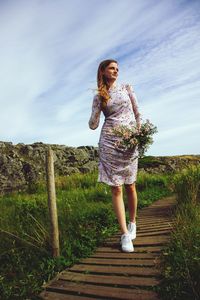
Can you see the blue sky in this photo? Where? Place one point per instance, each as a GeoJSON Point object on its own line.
{"type": "Point", "coordinates": [50, 52]}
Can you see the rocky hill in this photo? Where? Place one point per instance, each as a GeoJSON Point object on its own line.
{"type": "Point", "coordinates": [21, 164]}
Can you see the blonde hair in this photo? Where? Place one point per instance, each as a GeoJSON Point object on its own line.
{"type": "Point", "coordinates": [102, 83]}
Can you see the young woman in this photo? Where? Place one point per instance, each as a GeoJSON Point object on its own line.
{"type": "Point", "coordinates": [117, 166]}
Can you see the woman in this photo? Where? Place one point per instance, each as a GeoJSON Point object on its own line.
{"type": "Point", "coordinates": [117, 166]}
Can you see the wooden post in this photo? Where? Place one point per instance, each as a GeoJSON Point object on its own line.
{"type": "Point", "coordinates": [52, 202]}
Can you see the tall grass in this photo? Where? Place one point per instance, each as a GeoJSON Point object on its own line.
{"type": "Point", "coordinates": [187, 185]}
{"type": "Point", "coordinates": [86, 217]}
{"type": "Point", "coordinates": [181, 259]}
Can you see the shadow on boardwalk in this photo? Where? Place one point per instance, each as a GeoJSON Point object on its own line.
{"type": "Point", "coordinates": [112, 274]}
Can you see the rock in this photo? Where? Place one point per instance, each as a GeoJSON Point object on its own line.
{"type": "Point", "coordinates": [22, 165]}
{"type": "Point", "coordinates": [89, 167]}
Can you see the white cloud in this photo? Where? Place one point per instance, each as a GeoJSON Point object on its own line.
{"type": "Point", "coordinates": [49, 57]}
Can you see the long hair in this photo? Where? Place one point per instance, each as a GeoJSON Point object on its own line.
{"type": "Point", "coordinates": [102, 82]}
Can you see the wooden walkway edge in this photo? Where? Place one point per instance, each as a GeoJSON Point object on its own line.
{"type": "Point", "coordinates": [111, 274]}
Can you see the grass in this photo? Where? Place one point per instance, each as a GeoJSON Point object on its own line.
{"type": "Point", "coordinates": [187, 185]}
{"type": "Point", "coordinates": [181, 258]}
{"type": "Point", "coordinates": [86, 218]}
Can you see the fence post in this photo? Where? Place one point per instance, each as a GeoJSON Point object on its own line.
{"type": "Point", "coordinates": [52, 202]}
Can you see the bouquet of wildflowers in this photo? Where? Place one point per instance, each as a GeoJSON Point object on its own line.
{"type": "Point", "coordinates": [132, 137]}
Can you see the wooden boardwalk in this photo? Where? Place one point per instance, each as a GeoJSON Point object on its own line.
{"type": "Point", "coordinates": [111, 274]}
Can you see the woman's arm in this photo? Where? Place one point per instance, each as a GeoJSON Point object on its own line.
{"type": "Point", "coordinates": [96, 111]}
{"type": "Point", "coordinates": [134, 103]}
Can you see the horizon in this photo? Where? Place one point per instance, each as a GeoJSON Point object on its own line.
{"type": "Point", "coordinates": [188, 154]}
{"type": "Point", "coordinates": [47, 86]}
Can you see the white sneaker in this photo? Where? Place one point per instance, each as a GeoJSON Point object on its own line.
{"type": "Point", "coordinates": [127, 245]}
{"type": "Point", "coordinates": [132, 230]}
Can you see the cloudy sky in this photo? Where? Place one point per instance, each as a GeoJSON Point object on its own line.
{"type": "Point", "coordinates": [50, 52]}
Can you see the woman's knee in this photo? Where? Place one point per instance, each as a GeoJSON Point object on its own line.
{"type": "Point", "coordinates": [130, 187]}
{"type": "Point", "coordinates": [116, 189]}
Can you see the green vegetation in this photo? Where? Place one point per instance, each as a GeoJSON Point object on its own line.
{"type": "Point", "coordinates": [149, 161]}
{"type": "Point", "coordinates": [86, 218]}
{"type": "Point", "coordinates": [187, 185]}
{"type": "Point", "coordinates": [181, 259]}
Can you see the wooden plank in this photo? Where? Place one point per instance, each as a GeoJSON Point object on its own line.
{"type": "Point", "coordinates": [156, 204]}
{"type": "Point", "coordinates": [155, 212]}
{"type": "Point", "coordinates": [149, 232]}
{"type": "Point", "coordinates": [146, 221]}
{"type": "Point", "coordinates": [124, 255]}
{"type": "Point", "coordinates": [163, 207]}
{"type": "Point", "coordinates": [153, 217]}
{"type": "Point", "coordinates": [102, 291]}
{"type": "Point", "coordinates": [164, 204]}
{"type": "Point", "coordinates": [157, 216]}
{"type": "Point", "coordinates": [159, 228]}
{"type": "Point", "coordinates": [147, 249]}
{"type": "Point", "coordinates": [152, 214]}
{"type": "Point", "coordinates": [159, 240]}
{"type": "Point", "coordinates": [125, 270]}
{"type": "Point", "coordinates": [145, 230]}
{"type": "Point", "coordinates": [118, 262]}
{"type": "Point", "coordinates": [109, 280]}
{"type": "Point", "coordinates": [153, 226]}
{"type": "Point", "coordinates": [155, 220]}
{"type": "Point", "coordinates": [150, 240]}
{"type": "Point", "coordinates": [154, 233]}
{"type": "Point", "coordinates": [49, 295]}
{"type": "Point", "coordinates": [154, 229]}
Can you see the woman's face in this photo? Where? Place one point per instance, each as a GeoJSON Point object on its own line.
{"type": "Point", "coordinates": [111, 71]}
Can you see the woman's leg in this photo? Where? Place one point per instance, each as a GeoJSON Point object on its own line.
{"type": "Point", "coordinates": [132, 200]}
{"type": "Point", "coordinates": [118, 204]}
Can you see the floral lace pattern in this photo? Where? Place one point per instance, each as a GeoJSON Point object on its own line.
{"type": "Point", "coordinates": [116, 165]}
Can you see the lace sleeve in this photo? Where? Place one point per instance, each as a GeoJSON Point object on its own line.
{"type": "Point", "coordinates": [96, 112]}
{"type": "Point", "coordinates": [134, 102]}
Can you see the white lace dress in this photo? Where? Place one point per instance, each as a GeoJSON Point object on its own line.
{"type": "Point", "coordinates": [116, 165]}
